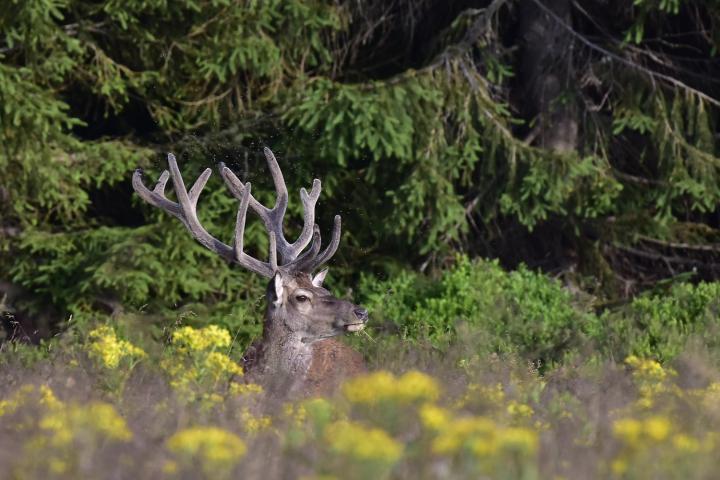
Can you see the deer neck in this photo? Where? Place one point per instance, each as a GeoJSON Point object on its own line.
{"type": "Point", "coordinates": [286, 359]}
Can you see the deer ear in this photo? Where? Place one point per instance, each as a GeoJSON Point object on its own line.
{"type": "Point", "coordinates": [278, 287]}
{"type": "Point", "coordinates": [318, 279]}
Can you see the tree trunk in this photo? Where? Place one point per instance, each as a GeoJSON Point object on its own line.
{"type": "Point", "coordinates": [547, 74]}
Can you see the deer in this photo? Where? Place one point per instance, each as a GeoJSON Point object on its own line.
{"type": "Point", "coordinates": [296, 354]}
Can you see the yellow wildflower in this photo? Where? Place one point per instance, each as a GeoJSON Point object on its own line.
{"type": "Point", "coordinates": [16, 400]}
{"type": "Point", "coordinates": [648, 368]}
{"type": "Point", "coordinates": [685, 443]}
{"type": "Point", "coordinates": [634, 432]}
{"type": "Point", "coordinates": [383, 386]}
{"type": "Point", "coordinates": [214, 448]}
{"type": "Point", "coordinates": [97, 418]}
{"type": "Point", "coordinates": [362, 443]}
{"type": "Point", "coordinates": [434, 417]}
{"type": "Point", "coordinates": [518, 439]}
{"type": "Point", "coordinates": [108, 350]}
{"type": "Point", "coordinates": [48, 398]}
{"type": "Point", "coordinates": [657, 428]}
{"type": "Point", "coordinates": [650, 378]}
{"type": "Point", "coordinates": [253, 424]}
{"type": "Point", "coordinates": [57, 466]}
{"type": "Point", "coordinates": [415, 385]}
{"type": "Point", "coordinates": [492, 396]}
{"type": "Point", "coordinates": [628, 430]}
{"type": "Point", "coordinates": [519, 410]}
{"type": "Point", "coordinates": [207, 338]}
{"type": "Point", "coordinates": [484, 438]}
{"type": "Point", "coordinates": [245, 389]}
{"type": "Point", "coordinates": [297, 414]}
{"type": "Point", "coordinates": [181, 379]}
{"type": "Point", "coordinates": [619, 466]}
{"type": "Point", "coordinates": [645, 402]}
{"type": "Point", "coordinates": [210, 400]}
{"type": "Point", "coordinates": [219, 364]}
{"type": "Point", "coordinates": [370, 388]}
{"type": "Point", "coordinates": [713, 388]}
{"type": "Point", "coordinates": [483, 446]}
{"type": "Point", "coordinates": [462, 430]}
{"type": "Point", "coordinates": [200, 368]}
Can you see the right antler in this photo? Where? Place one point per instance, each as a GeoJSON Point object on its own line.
{"type": "Point", "coordinates": [291, 258]}
{"type": "Point", "coordinates": [273, 217]}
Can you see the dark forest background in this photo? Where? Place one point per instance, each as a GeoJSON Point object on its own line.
{"type": "Point", "coordinates": [577, 138]}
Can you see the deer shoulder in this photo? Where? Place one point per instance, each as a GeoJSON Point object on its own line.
{"type": "Point", "coordinates": [332, 363]}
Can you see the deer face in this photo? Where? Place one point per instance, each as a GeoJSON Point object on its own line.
{"type": "Point", "coordinates": [310, 311]}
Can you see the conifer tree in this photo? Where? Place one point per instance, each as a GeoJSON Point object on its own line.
{"type": "Point", "coordinates": [577, 137]}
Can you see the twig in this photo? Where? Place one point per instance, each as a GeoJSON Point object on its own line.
{"type": "Point", "coordinates": [665, 258]}
{"type": "Point", "coordinates": [684, 246]}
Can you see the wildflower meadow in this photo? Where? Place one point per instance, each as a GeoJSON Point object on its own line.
{"type": "Point", "coordinates": [107, 401]}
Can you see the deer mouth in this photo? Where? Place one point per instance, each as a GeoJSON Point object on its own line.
{"type": "Point", "coordinates": [354, 327]}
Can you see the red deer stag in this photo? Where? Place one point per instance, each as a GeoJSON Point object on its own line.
{"type": "Point", "coordinates": [295, 354]}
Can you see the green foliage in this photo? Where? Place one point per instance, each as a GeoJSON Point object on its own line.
{"type": "Point", "coordinates": [662, 325]}
{"type": "Point", "coordinates": [527, 313]}
{"type": "Point", "coordinates": [519, 311]}
{"type": "Point", "coordinates": [26, 355]}
{"type": "Point", "coordinates": [647, 9]}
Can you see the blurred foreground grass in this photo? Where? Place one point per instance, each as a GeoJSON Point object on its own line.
{"type": "Point", "coordinates": [480, 373]}
{"type": "Point", "coordinates": [102, 407]}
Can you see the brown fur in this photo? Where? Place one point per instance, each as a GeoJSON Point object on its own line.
{"type": "Point", "coordinates": [332, 363]}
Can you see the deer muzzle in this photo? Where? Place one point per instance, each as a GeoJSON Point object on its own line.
{"type": "Point", "coordinates": [361, 315]}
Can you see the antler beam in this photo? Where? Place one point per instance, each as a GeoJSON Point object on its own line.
{"type": "Point", "coordinates": [186, 211]}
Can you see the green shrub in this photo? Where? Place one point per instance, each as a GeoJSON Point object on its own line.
{"type": "Point", "coordinates": [530, 314]}
{"type": "Point", "coordinates": [520, 311]}
{"type": "Point", "coordinates": [660, 325]}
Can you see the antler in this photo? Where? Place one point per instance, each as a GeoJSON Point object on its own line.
{"type": "Point", "coordinates": [186, 210]}
{"type": "Point", "coordinates": [273, 219]}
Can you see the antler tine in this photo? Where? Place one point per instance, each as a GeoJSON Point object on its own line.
{"type": "Point", "coordinates": [156, 197]}
{"type": "Point", "coordinates": [308, 201]}
{"type": "Point", "coordinates": [305, 259]}
{"type": "Point", "coordinates": [273, 251]}
{"type": "Point", "coordinates": [242, 258]}
{"type": "Point", "coordinates": [162, 181]}
{"type": "Point", "coordinates": [236, 187]}
{"type": "Point", "coordinates": [239, 239]}
{"type": "Point", "coordinates": [280, 188]}
{"type": "Point", "coordinates": [330, 249]}
{"type": "Point", "coordinates": [186, 210]}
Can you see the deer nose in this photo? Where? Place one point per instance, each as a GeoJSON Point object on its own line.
{"type": "Point", "coordinates": [361, 313]}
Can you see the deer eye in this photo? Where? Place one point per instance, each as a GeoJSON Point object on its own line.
{"type": "Point", "coordinates": [302, 298]}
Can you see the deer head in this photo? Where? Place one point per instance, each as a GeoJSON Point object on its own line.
{"type": "Point", "coordinates": [308, 310]}
{"type": "Point", "coordinates": [300, 311]}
